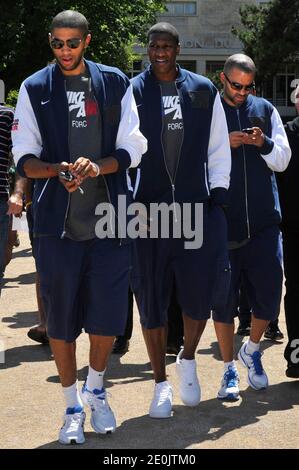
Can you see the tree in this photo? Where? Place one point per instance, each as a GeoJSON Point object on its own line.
{"type": "Point", "coordinates": [270, 34]}
{"type": "Point", "coordinates": [115, 25]}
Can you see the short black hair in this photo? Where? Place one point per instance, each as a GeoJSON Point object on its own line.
{"type": "Point", "coordinates": [70, 19]}
{"type": "Point", "coordinates": [239, 61]}
{"type": "Point", "coordinates": [164, 28]}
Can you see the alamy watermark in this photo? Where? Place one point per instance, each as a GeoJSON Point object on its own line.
{"type": "Point", "coordinates": [157, 220]}
{"type": "Point", "coordinates": [294, 357]}
{"type": "Point", "coordinates": [2, 352]}
{"type": "Point", "coordinates": [2, 92]}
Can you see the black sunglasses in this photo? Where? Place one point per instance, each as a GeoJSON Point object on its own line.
{"type": "Point", "coordinates": [238, 87]}
{"type": "Point", "coordinates": [73, 43]}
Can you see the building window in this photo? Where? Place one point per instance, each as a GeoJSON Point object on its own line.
{"type": "Point", "coordinates": [188, 65]}
{"type": "Point", "coordinates": [213, 66]}
{"type": "Point", "coordinates": [279, 89]}
{"type": "Point", "coordinates": [180, 9]}
{"type": "Point", "coordinates": [136, 69]}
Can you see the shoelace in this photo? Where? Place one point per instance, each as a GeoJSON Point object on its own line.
{"type": "Point", "coordinates": [188, 371]}
{"type": "Point", "coordinates": [99, 402]}
{"type": "Point", "coordinates": [73, 421]}
{"type": "Point", "coordinates": [163, 393]}
{"type": "Point", "coordinates": [231, 377]}
{"type": "Point", "coordinates": [257, 363]}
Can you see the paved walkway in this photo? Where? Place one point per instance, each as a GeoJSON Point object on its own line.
{"type": "Point", "coordinates": [32, 404]}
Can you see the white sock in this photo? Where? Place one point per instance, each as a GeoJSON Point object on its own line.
{"type": "Point", "coordinates": [229, 364]}
{"type": "Point", "coordinates": [251, 347]}
{"type": "Point", "coordinates": [94, 379]}
{"type": "Point", "coordinates": [72, 396]}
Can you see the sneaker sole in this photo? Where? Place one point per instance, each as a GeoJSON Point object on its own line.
{"type": "Point", "coordinates": [242, 361]}
{"type": "Point", "coordinates": [160, 416]}
{"type": "Point", "coordinates": [101, 431]}
{"type": "Point", "coordinates": [229, 397]}
{"type": "Point", "coordinates": [71, 442]}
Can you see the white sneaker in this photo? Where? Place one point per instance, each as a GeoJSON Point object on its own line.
{"type": "Point", "coordinates": [230, 385]}
{"type": "Point", "coordinates": [102, 418]}
{"type": "Point", "coordinates": [257, 377]}
{"type": "Point", "coordinates": [189, 386]}
{"type": "Point", "coordinates": [161, 405]}
{"type": "Point", "coordinates": [72, 431]}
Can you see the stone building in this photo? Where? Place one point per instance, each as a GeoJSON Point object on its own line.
{"type": "Point", "coordinates": [206, 41]}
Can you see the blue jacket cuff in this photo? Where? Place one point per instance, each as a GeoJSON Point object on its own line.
{"type": "Point", "coordinates": [219, 196]}
{"type": "Point", "coordinates": [21, 163]}
{"type": "Point", "coordinates": [267, 146]}
{"type": "Point", "coordinates": [123, 158]}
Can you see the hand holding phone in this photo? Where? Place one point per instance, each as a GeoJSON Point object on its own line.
{"type": "Point", "coordinates": [67, 176]}
{"type": "Point", "coordinates": [248, 130]}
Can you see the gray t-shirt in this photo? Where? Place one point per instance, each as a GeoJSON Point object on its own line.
{"type": "Point", "coordinates": [85, 140]}
{"type": "Point", "coordinates": [173, 126]}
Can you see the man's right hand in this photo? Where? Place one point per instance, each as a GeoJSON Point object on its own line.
{"type": "Point", "coordinates": [236, 139]}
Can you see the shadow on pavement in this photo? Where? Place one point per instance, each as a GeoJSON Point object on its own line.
{"type": "Point", "coordinates": [21, 320]}
{"type": "Point", "coordinates": [27, 252]}
{"type": "Point", "coordinates": [16, 356]}
{"type": "Point", "coordinates": [215, 351]}
{"type": "Point", "coordinates": [28, 278]}
{"type": "Point", "coordinates": [207, 422]}
{"type": "Point", "coordinates": [130, 373]}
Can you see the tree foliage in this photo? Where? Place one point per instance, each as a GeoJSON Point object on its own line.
{"type": "Point", "coordinates": [270, 34]}
{"type": "Point", "coordinates": [114, 24]}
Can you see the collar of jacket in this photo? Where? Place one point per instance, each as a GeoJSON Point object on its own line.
{"type": "Point", "coordinates": [247, 103]}
{"type": "Point", "coordinates": [181, 76]}
{"type": "Point", "coordinates": [92, 68]}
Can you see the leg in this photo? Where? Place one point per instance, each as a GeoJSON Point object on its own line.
{"type": "Point", "coordinates": [225, 337]}
{"type": "Point", "coordinates": [65, 359]}
{"type": "Point", "coordinates": [155, 340]}
{"type": "Point", "coordinates": [193, 330]}
{"type": "Point", "coordinates": [4, 221]}
{"type": "Point", "coordinates": [38, 333]}
{"type": "Point", "coordinates": [100, 348]}
{"type": "Point", "coordinates": [175, 335]}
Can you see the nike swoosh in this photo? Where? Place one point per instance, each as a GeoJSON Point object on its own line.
{"type": "Point", "coordinates": [44, 102]}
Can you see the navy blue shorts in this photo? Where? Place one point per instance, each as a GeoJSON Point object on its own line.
{"type": "Point", "coordinates": [201, 276]}
{"type": "Point", "coordinates": [83, 285]}
{"type": "Point", "coordinates": [260, 262]}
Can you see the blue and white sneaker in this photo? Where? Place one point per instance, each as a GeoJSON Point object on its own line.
{"type": "Point", "coordinates": [72, 431]}
{"type": "Point", "coordinates": [257, 377]}
{"type": "Point", "coordinates": [230, 385]}
{"type": "Point", "coordinates": [102, 418]}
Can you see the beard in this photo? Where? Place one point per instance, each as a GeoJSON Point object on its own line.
{"type": "Point", "coordinates": [71, 67]}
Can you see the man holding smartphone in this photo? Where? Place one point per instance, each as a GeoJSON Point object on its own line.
{"type": "Point", "coordinates": [259, 147]}
{"type": "Point", "coordinates": [79, 117]}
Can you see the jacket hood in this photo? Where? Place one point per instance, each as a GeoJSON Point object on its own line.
{"type": "Point", "coordinates": [293, 126]}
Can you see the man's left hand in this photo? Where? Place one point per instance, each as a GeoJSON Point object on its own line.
{"type": "Point", "coordinates": [256, 138]}
{"type": "Point", "coordinates": [84, 168]}
{"type": "Point", "coordinates": [15, 205]}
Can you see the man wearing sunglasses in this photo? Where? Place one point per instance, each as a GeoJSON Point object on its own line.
{"type": "Point", "coordinates": [79, 118]}
{"type": "Point", "coordinates": [259, 147]}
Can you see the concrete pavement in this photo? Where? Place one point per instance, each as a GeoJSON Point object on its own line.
{"type": "Point", "coordinates": [32, 402]}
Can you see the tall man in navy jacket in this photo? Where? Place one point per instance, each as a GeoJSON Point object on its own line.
{"type": "Point", "coordinates": [188, 161]}
{"type": "Point", "coordinates": [259, 147]}
{"type": "Point", "coordinates": [79, 116]}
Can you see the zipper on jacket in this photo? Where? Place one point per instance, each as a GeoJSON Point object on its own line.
{"type": "Point", "coordinates": [245, 178]}
{"type": "Point", "coordinates": [43, 190]}
{"type": "Point", "coordinates": [112, 211]}
{"type": "Point", "coordinates": [172, 180]}
{"type": "Point", "coordinates": [68, 141]}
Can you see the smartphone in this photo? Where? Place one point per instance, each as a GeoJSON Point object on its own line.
{"type": "Point", "coordinates": [66, 175]}
{"type": "Point", "coordinates": [249, 130]}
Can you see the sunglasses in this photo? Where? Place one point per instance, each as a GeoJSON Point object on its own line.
{"type": "Point", "coordinates": [73, 43]}
{"type": "Point", "coordinates": [238, 87]}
